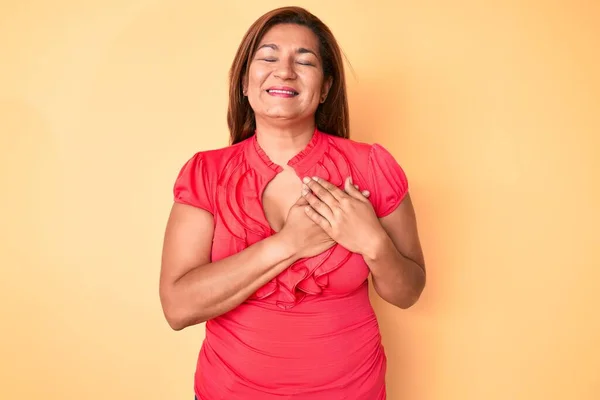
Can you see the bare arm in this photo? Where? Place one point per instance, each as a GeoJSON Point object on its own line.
{"type": "Point", "coordinates": [192, 289]}
{"type": "Point", "coordinates": [389, 245]}
{"type": "Point", "coordinates": [396, 258]}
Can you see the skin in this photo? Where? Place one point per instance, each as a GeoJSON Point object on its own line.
{"type": "Point", "coordinates": [308, 217]}
{"type": "Point", "coordinates": [390, 245]}
{"type": "Point", "coordinates": [287, 56]}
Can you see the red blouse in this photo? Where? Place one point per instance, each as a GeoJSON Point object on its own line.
{"type": "Point", "coordinates": [311, 332]}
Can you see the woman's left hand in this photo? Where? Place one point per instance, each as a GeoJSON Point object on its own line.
{"type": "Point", "coordinates": [347, 216]}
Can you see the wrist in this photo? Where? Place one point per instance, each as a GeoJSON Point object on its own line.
{"type": "Point", "coordinates": [377, 245]}
{"type": "Point", "coordinates": [286, 245]}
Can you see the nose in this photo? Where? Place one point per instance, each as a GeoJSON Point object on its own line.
{"type": "Point", "coordinates": [285, 70]}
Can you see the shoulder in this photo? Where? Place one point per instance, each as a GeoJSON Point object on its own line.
{"type": "Point", "coordinates": [215, 159]}
{"type": "Point", "coordinates": [384, 177]}
{"type": "Point", "coordinates": [198, 177]}
{"type": "Point", "coordinates": [360, 153]}
{"type": "Point", "coordinates": [211, 163]}
{"type": "Point", "coordinates": [206, 166]}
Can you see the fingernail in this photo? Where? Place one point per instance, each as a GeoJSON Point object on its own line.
{"type": "Point", "coordinates": [315, 178]}
{"type": "Point", "coordinates": [367, 193]}
{"type": "Point", "coordinates": [356, 187]}
{"type": "Point", "coordinates": [306, 179]}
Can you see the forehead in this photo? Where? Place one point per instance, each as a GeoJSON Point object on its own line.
{"type": "Point", "coordinates": [291, 35]}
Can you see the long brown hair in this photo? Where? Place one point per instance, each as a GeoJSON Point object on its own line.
{"type": "Point", "coordinates": [331, 117]}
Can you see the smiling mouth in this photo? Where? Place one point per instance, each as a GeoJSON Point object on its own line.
{"type": "Point", "coordinates": [280, 92]}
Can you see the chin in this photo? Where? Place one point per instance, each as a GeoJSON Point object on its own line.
{"type": "Point", "coordinates": [281, 114]}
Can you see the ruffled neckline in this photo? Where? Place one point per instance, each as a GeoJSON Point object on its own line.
{"type": "Point", "coordinates": [306, 277]}
{"type": "Point", "coordinates": [301, 162]}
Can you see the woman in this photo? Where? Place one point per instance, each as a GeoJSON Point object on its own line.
{"type": "Point", "coordinates": [270, 241]}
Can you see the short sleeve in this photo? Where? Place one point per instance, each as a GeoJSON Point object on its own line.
{"type": "Point", "coordinates": [193, 184]}
{"type": "Point", "coordinates": [388, 181]}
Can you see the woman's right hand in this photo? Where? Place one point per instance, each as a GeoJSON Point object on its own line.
{"type": "Point", "coordinates": [306, 238]}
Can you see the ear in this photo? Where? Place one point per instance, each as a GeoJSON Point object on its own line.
{"type": "Point", "coordinates": [327, 83]}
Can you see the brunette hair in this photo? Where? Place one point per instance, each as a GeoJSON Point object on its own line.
{"type": "Point", "coordinates": [331, 117]}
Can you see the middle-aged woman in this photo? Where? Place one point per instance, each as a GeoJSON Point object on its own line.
{"type": "Point", "coordinates": [271, 240]}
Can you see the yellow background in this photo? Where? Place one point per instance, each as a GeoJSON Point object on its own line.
{"type": "Point", "coordinates": [491, 107]}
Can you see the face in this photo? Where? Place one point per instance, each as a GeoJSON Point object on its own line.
{"type": "Point", "coordinates": [285, 79]}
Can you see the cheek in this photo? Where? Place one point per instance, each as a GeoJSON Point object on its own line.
{"type": "Point", "coordinates": [315, 82]}
{"type": "Point", "coordinates": [256, 77]}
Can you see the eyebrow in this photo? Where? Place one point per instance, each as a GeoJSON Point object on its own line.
{"type": "Point", "coordinates": [301, 50]}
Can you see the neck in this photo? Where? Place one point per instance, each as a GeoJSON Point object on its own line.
{"type": "Point", "coordinates": [281, 143]}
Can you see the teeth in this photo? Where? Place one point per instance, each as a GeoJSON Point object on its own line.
{"type": "Point", "coordinates": [282, 91]}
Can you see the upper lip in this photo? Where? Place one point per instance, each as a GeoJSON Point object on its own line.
{"type": "Point", "coordinates": [286, 88]}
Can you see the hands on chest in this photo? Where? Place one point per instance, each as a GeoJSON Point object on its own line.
{"type": "Point", "coordinates": [347, 216]}
{"type": "Point", "coordinates": [325, 215]}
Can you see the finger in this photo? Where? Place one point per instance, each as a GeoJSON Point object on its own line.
{"type": "Point", "coordinates": [318, 219]}
{"type": "Point", "coordinates": [302, 201]}
{"type": "Point", "coordinates": [333, 189]}
{"type": "Point", "coordinates": [317, 204]}
{"type": "Point", "coordinates": [324, 190]}
{"type": "Point", "coordinates": [352, 191]}
{"type": "Point", "coordinates": [365, 193]}
{"type": "Point", "coordinates": [336, 192]}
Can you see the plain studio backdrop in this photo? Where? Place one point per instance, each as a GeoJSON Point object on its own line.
{"type": "Point", "coordinates": [492, 108]}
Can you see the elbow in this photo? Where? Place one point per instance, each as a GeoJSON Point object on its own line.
{"type": "Point", "coordinates": [410, 296]}
{"type": "Point", "coordinates": [175, 323]}
{"type": "Point", "coordinates": [171, 312]}
{"type": "Point", "coordinates": [403, 299]}
{"type": "Point", "coordinates": [178, 317]}
{"type": "Point", "coordinates": [404, 296]}
{"type": "Point", "coordinates": [179, 320]}
{"type": "Point", "coordinates": [407, 301]}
